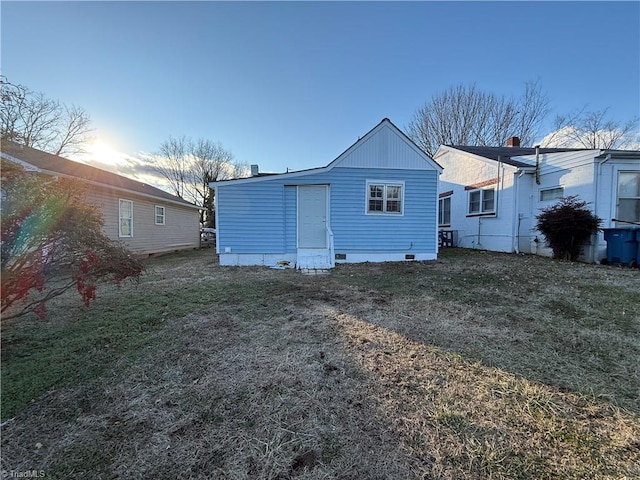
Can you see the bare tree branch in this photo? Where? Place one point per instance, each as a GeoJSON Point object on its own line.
{"type": "Point", "coordinates": [31, 119]}
{"type": "Point", "coordinates": [189, 166]}
{"type": "Point", "coordinates": [593, 130]}
{"type": "Point", "coordinates": [172, 163]}
{"type": "Point", "coordinates": [465, 115]}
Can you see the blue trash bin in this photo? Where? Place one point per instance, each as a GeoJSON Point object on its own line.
{"type": "Point", "coordinates": [622, 245]}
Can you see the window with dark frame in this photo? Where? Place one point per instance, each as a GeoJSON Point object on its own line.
{"type": "Point", "coordinates": [549, 194]}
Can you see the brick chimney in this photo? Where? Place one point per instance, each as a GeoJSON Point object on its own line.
{"type": "Point", "coordinates": [513, 142]}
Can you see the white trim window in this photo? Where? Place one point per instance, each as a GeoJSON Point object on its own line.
{"type": "Point", "coordinates": [628, 197]}
{"type": "Point", "coordinates": [548, 194]}
{"type": "Point", "coordinates": [160, 215]}
{"type": "Point", "coordinates": [385, 198]}
{"type": "Point", "coordinates": [125, 215]}
{"type": "Point", "coordinates": [482, 201]}
{"type": "Point", "coordinates": [444, 211]}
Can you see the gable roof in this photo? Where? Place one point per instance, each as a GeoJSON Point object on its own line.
{"type": "Point", "coordinates": [56, 165]}
{"type": "Point", "coordinates": [505, 154]}
{"type": "Point", "coordinates": [384, 123]}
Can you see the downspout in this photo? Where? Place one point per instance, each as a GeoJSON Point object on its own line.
{"type": "Point", "coordinates": [515, 247]}
{"type": "Point", "coordinates": [596, 185]}
{"type": "Point", "coordinates": [537, 164]}
{"type": "Point", "coordinates": [215, 217]}
{"type": "Point", "coordinates": [498, 187]}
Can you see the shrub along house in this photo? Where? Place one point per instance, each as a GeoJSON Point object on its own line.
{"type": "Point", "coordinates": [376, 202]}
{"type": "Point", "coordinates": [146, 219]}
{"type": "Point", "coordinates": [489, 196]}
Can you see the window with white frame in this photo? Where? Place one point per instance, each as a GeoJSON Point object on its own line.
{"type": "Point", "coordinates": [444, 212]}
{"type": "Point", "coordinates": [385, 198]}
{"type": "Point", "coordinates": [159, 215]}
{"type": "Point", "coordinates": [628, 196]}
{"type": "Point", "coordinates": [548, 194]}
{"type": "Point", "coordinates": [126, 218]}
{"type": "Point", "coordinates": [482, 201]}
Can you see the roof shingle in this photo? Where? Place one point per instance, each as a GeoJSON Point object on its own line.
{"type": "Point", "coordinates": [63, 166]}
{"type": "Point", "coordinates": [505, 154]}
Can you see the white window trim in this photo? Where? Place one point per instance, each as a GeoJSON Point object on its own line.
{"type": "Point", "coordinates": [481, 211]}
{"type": "Point", "coordinates": [442, 199]}
{"type": "Point", "coordinates": [155, 214]}
{"type": "Point", "coordinates": [120, 200]}
{"type": "Point", "coordinates": [385, 183]}
{"type": "Point", "coordinates": [547, 189]}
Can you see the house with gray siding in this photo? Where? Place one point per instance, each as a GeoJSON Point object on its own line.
{"type": "Point", "coordinates": [144, 218]}
{"type": "Point", "coordinates": [375, 202]}
{"type": "Point", "coordinates": [490, 196]}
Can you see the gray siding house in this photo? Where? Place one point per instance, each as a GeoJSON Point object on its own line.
{"type": "Point", "coordinates": [144, 218]}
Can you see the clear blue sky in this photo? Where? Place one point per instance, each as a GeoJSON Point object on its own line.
{"type": "Point", "coordinates": [292, 85]}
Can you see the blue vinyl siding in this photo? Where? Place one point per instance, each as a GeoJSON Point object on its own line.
{"type": "Point", "coordinates": [291, 219]}
{"type": "Point", "coordinates": [251, 218]}
{"type": "Point", "coordinates": [260, 217]}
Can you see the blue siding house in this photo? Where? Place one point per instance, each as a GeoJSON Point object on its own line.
{"type": "Point", "coordinates": [376, 202]}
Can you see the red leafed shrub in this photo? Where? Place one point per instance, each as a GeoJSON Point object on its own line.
{"type": "Point", "coordinates": [52, 240]}
{"type": "Point", "coordinates": [567, 226]}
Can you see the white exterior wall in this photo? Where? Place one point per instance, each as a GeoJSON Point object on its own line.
{"type": "Point", "coordinates": [486, 232]}
{"type": "Point", "coordinates": [582, 174]}
{"type": "Point", "coordinates": [574, 172]}
{"type": "Point", "coordinates": [579, 173]}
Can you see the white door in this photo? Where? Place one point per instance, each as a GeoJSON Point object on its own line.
{"type": "Point", "coordinates": [312, 216]}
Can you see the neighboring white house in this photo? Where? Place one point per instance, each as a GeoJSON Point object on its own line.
{"type": "Point", "coordinates": [145, 219]}
{"type": "Point", "coordinates": [489, 196]}
{"type": "Point", "coordinates": [376, 202]}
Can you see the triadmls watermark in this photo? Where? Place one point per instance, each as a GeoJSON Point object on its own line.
{"type": "Point", "coordinates": [23, 474]}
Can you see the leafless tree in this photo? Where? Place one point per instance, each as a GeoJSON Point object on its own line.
{"type": "Point", "coordinates": [211, 162]}
{"type": "Point", "coordinates": [29, 118]}
{"type": "Point", "coordinates": [464, 115]}
{"type": "Point", "coordinates": [173, 164]}
{"type": "Point", "coordinates": [189, 166]}
{"type": "Point", "coordinates": [591, 129]}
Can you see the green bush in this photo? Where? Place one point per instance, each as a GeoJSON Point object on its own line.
{"type": "Point", "coordinates": [567, 226]}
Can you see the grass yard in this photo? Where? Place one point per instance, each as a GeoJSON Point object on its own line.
{"type": "Point", "coordinates": [477, 366]}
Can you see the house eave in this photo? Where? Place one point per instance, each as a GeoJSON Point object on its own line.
{"type": "Point", "coordinates": [444, 149]}
{"type": "Point", "coordinates": [26, 165]}
{"type": "Point", "coordinates": [53, 173]}
{"type": "Point", "coordinates": [385, 121]}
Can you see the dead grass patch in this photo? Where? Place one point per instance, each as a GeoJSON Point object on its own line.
{"type": "Point", "coordinates": [475, 366]}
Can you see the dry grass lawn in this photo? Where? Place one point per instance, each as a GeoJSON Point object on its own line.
{"type": "Point", "coordinates": [476, 366]}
